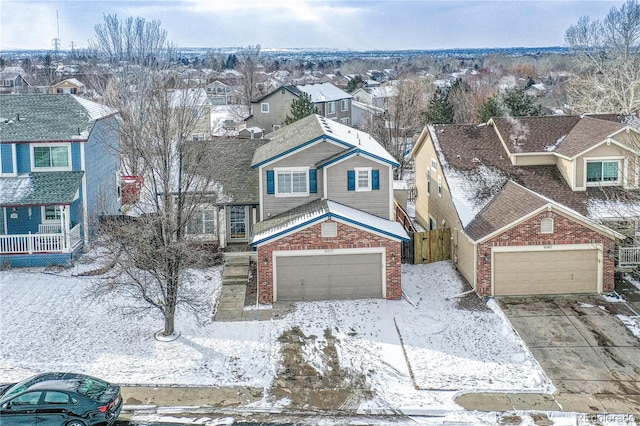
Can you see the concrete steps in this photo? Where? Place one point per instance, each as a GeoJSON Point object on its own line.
{"type": "Point", "coordinates": [235, 277]}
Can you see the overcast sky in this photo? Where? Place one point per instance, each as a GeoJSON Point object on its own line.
{"type": "Point", "coordinates": [357, 25]}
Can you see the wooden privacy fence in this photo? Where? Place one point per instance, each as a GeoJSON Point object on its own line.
{"type": "Point", "coordinates": [427, 246]}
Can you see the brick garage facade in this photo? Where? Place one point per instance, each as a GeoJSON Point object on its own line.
{"type": "Point", "coordinates": [565, 231]}
{"type": "Point", "coordinates": [348, 237]}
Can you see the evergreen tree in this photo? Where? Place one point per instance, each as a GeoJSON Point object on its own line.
{"type": "Point", "coordinates": [301, 107]}
{"type": "Point", "coordinates": [354, 84]}
{"type": "Point", "coordinates": [512, 103]}
{"type": "Point", "coordinates": [440, 110]}
{"type": "Point", "coordinates": [231, 62]}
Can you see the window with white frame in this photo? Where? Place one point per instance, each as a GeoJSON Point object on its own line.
{"type": "Point", "coordinates": [202, 222]}
{"type": "Point", "coordinates": [429, 182]}
{"type": "Point", "coordinates": [363, 178]}
{"type": "Point", "coordinates": [331, 107]}
{"type": "Point", "coordinates": [264, 107]}
{"type": "Point", "coordinates": [275, 127]}
{"type": "Point", "coordinates": [434, 164]}
{"type": "Point", "coordinates": [51, 214]}
{"type": "Point", "coordinates": [292, 182]}
{"type": "Point", "coordinates": [439, 186]}
{"type": "Point", "coordinates": [345, 121]}
{"type": "Point", "coordinates": [197, 136]}
{"type": "Point", "coordinates": [546, 225]}
{"type": "Point", "coordinates": [344, 104]}
{"type": "Point", "coordinates": [51, 156]}
{"type": "Point", "coordinates": [603, 172]}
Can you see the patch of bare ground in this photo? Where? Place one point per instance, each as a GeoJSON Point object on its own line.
{"type": "Point", "coordinates": [311, 377]}
{"type": "Point", "coordinates": [251, 295]}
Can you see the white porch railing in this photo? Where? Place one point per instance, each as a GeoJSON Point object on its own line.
{"type": "Point", "coordinates": [49, 228]}
{"type": "Point", "coordinates": [629, 256]}
{"type": "Point", "coordinates": [41, 243]}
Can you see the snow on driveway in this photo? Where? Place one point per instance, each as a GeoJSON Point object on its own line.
{"type": "Point", "coordinates": [50, 322]}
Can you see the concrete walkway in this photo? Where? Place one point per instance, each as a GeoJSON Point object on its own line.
{"type": "Point", "coordinates": [231, 303]}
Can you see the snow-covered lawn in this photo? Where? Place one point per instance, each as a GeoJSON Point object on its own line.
{"type": "Point", "coordinates": [50, 322]}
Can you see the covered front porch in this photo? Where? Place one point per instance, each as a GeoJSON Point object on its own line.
{"type": "Point", "coordinates": [41, 219]}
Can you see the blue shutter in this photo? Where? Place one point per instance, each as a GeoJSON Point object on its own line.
{"type": "Point", "coordinates": [375, 179]}
{"type": "Point", "coordinates": [270, 182]}
{"type": "Point", "coordinates": [351, 180]}
{"type": "Point", "coordinates": [313, 181]}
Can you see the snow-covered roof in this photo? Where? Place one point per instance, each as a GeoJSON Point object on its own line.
{"type": "Point", "coordinates": [320, 210]}
{"type": "Point", "coordinates": [323, 92]}
{"type": "Point", "coordinates": [315, 127]}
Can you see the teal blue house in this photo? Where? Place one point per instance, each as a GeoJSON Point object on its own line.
{"type": "Point", "coordinates": [59, 172]}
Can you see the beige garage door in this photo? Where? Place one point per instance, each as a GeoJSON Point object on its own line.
{"type": "Point", "coordinates": [323, 277]}
{"type": "Point", "coordinates": [545, 272]}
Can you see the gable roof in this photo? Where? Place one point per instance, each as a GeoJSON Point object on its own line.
{"type": "Point", "coordinates": [476, 167]}
{"type": "Point", "coordinates": [513, 203]}
{"type": "Point", "coordinates": [585, 134]}
{"type": "Point", "coordinates": [40, 188]}
{"type": "Point", "coordinates": [48, 117]}
{"type": "Point", "coordinates": [320, 210]}
{"type": "Point", "coordinates": [313, 128]}
{"type": "Point", "coordinates": [533, 134]}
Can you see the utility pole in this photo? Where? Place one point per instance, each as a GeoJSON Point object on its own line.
{"type": "Point", "coordinates": [56, 41]}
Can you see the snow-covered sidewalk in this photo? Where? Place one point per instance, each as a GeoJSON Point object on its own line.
{"type": "Point", "coordinates": [50, 322]}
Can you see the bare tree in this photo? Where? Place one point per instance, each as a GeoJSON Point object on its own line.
{"type": "Point", "coordinates": [152, 251]}
{"type": "Point", "coordinates": [608, 53]}
{"type": "Point", "coordinates": [248, 67]}
{"type": "Point", "coordinates": [133, 40]}
{"type": "Point", "coordinates": [397, 127]}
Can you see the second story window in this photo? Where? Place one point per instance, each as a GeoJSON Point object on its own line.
{"type": "Point", "coordinates": [51, 157]}
{"type": "Point", "coordinates": [439, 186]}
{"type": "Point", "coordinates": [264, 108]}
{"type": "Point", "coordinates": [428, 182]}
{"type": "Point", "coordinates": [363, 179]}
{"type": "Point", "coordinates": [603, 172]}
{"type": "Point", "coordinates": [344, 104]}
{"type": "Point", "coordinates": [292, 182]}
{"type": "Point", "coordinates": [331, 107]}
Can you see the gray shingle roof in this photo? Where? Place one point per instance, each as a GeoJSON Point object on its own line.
{"type": "Point", "coordinates": [309, 129]}
{"type": "Point", "coordinates": [228, 163]}
{"type": "Point", "coordinates": [510, 204]}
{"type": "Point", "coordinates": [48, 117]}
{"type": "Point", "coordinates": [40, 188]}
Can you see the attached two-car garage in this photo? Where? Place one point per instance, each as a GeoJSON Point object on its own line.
{"type": "Point", "coordinates": [546, 270]}
{"type": "Point", "coordinates": [318, 275]}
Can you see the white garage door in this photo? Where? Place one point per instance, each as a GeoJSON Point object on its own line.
{"type": "Point", "coordinates": [545, 272]}
{"type": "Point", "coordinates": [323, 277]}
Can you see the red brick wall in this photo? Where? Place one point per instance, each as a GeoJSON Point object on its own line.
{"type": "Point", "coordinates": [348, 237]}
{"type": "Point", "coordinates": [565, 231]}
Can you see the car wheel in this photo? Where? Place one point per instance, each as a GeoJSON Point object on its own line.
{"type": "Point", "coordinates": [75, 423]}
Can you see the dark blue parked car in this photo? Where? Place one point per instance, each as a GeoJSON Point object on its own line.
{"type": "Point", "coordinates": [60, 399]}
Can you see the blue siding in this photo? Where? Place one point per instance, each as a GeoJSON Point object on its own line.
{"type": "Point", "coordinates": [76, 160]}
{"type": "Point", "coordinates": [6, 154]}
{"type": "Point", "coordinates": [101, 169]}
{"type": "Point", "coordinates": [24, 158]}
{"type": "Point", "coordinates": [24, 224]}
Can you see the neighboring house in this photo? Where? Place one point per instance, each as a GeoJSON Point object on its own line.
{"type": "Point", "coordinates": [58, 175]}
{"type": "Point", "coordinates": [375, 96]}
{"type": "Point", "coordinates": [12, 83]}
{"type": "Point", "coordinates": [270, 111]}
{"type": "Point", "coordinates": [70, 86]}
{"type": "Point", "coordinates": [535, 204]}
{"type": "Point", "coordinates": [222, 94]}
{"type": "Point", "coordinates": [200, 104]}
{"type": "Point", "coordinates": [325, 225]}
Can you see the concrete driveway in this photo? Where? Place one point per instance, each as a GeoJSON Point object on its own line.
{"type": "Point", "coordinates": [583, 348]}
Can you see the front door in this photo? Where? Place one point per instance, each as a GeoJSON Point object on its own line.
{"type": "Point", "coordinates": [238, 223]}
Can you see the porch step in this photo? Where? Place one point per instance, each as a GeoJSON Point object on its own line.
{"type": "Point", "coordinates": [236, 260]}
{"type": "Point", "coordinates": [235, 281]}
{"type": "Point", "coordinates": [232, 271]}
